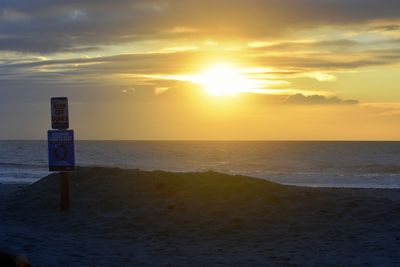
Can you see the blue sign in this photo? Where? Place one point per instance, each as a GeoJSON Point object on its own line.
{"type": "Point", "coordinates": [61, 150]}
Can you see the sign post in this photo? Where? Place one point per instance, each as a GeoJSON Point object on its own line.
{"type": "Point", "coordinates": [61, 147]}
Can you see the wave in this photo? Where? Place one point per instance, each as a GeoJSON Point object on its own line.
{"type": "Point", "coordinates": [377, 168]}
{"type": "Point", "coordinates": [21, 165]}
{"type": "Point", "coordinates": [363, 175]}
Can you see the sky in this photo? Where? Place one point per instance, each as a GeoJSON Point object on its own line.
{"type": "Point", "coordinates": [202, 70]}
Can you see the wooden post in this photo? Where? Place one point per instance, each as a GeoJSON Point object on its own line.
{"type": "Point", "coordinates": [64, 191]}
{"type": "Point", "coordinates": [61, 147]}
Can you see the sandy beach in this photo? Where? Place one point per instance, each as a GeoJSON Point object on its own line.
{"type": "Point", "coordinates": [137, 218]}
{"type": "Point", "coordinates": [6, 189]}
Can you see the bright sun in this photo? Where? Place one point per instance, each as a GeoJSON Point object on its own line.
{"type": "Point", "coordinates": [223, 80]}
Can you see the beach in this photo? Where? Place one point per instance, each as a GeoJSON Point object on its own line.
{"type": "Point", "coordinates": [214, 133]}
{"type": "Point", "coordinates": [153, 218]}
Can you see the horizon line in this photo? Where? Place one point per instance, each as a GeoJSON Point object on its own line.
{"type": "Point", "coordinates": [219, 140]}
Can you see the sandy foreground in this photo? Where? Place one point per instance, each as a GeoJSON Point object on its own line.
{"type": "Point", "coordinates": [137, 218]}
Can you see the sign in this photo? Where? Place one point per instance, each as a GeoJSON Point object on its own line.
{"type": "Point", "coordinates": [59, 113]}
{"type": "Point", "coordinates": [61, 150]}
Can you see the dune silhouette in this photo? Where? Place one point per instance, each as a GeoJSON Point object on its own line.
{"type": "Point", "coordinates": [201, 218]}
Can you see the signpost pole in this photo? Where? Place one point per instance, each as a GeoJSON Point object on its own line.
{"type": "Point", "coordinates": [64, 191]}
{"type": "Point", "coordinates": [61, 147]}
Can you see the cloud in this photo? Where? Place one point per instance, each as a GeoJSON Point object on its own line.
{"type": "Point", "coordinates": [160, 70]}
{"type": "Point", "coordinates": [283, 65]}
{"type": "Point", "coordinates": [305, 44]}
{"type": "Point", "coordinates": [383, 110]}
{"type": "Point", "coordinates": [387, 28]}
{"type": "Point", "coordinates": [160, 90]}
{"type": "Point", "coordinates": [300, 99]}
{"type": "Point", "coordinates": [325, 61]}
{"type": "Point", "coordinates": [50, 26]}
{"type": "Point", "coordinates": [10, 15]}
{"type": "Point", "coordinates": [129, 91]}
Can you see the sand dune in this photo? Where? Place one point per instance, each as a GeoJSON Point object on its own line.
{"type": "Point", "coordinates": [131, 217]}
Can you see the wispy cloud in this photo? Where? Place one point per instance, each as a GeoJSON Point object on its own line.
{"type": "Point", "coordinates": [56, 26]}
{"type": "Point", "coordinates": [300, 99]}
{"type": "Point", "coordinates": [151, 43]}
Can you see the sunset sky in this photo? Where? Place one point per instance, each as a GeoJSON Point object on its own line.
{"type": "Point", "coordinates": [209, 69]}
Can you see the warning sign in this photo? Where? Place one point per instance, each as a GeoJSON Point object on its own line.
{"type": "Point", "coordinates": [59, 113]}
{"type": "Point", "coordinates": [61, 150]}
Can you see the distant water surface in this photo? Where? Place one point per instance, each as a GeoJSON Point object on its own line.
{"type": "Point", "coordinates": [320, 164]}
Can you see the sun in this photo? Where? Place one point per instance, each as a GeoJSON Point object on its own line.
{"type": "Point", "coordinates": [222, 80]}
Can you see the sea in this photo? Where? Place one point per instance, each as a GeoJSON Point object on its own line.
{"type": "Point", "coordinates": [303, 163]}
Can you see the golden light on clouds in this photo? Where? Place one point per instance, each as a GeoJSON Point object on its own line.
{"type": "Point", "coordinates": [310, 65]}
{"type": "Point", "coordinates": [223, 79]}
{"type": "Point", "coordinates": [229, 79]}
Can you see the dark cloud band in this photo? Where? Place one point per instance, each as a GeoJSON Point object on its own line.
{"type": "Point", "coordinates": [49, 26]}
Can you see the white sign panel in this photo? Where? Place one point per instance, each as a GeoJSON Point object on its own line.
{"type": "Point", "coordinates": [59, 113]}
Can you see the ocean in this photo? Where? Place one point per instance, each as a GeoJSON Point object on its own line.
{"type": "Point", "coordinates": [316, 164]}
